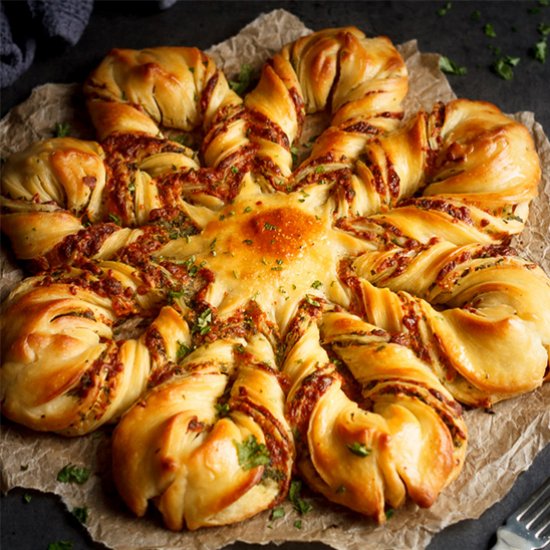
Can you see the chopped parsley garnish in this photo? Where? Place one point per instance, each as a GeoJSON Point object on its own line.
{"type": "Point", "coordinates": [294, 495]}
{"type": "Point", "coordinates": [202, 324]}
{"type": "Point", "coordinates": [444, 10]}
{"type": "Point", "coordinates": [311, 301]}
{"type": "Point", "coordinates": [27, 498]}
{"type": "Point", "coordinates": [475, 15]}
{"type": "Point", "coordinates": [174, 295]}
{"type": "Point", "coordinates": [241, 84]}
{"type": "Point", "coordinates": [81, 514]}
{"type": "Point", "coordinates": [389, 513]}
{"type": "Point", "coordinates": [183, 139]}
{"type": "Point", "coordinates": [544, 29]}
{"type": "Point", "coordinates": [183, 351]}
{"type": "Point", "coordinates": [269, 227]}
{"type": "Point", "coordinates": [298, 524]}
{"type": "Point", "coordinates": [540, 50]}
{"type": "Point", "coordinates": [359, 449]}
{"type": "Point", "coordinates": [294, 153]}
{"type": "Point", "coordinates": [450, 67]}
{"type": "Point", "coordinates": [319, 169]}
{"type": "Point", "coordinates": [489, 30]}
{"type": "Point", "coordinates": [73, 474]}
{"type": "Point", "coordinates": [277, 513]}
{"type": "Point", "coordinates": [234, 170]}
{"type": "Point", "coordinates": [60, 545]}
{"type": "Point", "coordinates": [252, 454]}
{"type": "Point", "coordinates": [62, 129]}
{"type": "Point", "coordinates": [316, 284]}
{"type": "Point", "coordinates": [222, 409]}
{"type": "Point", "coordinates": [249, 242]}
{"type": "Point", "coordinates": [504, 66]}
{"type": "Point", "coordinates": [114, 218]}
{"type": "Point", "coordinates": [247, 209]}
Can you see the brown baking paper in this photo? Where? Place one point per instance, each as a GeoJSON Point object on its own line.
{"type": "Point", "coordinates": [501, 445]}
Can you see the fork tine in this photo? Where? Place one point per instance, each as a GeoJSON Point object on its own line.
{"type": "Point", "coordinates": [533, 500]}
{"type": "Point", "coordinates": [543, 528]}
{"type": "Point", "coordinates": [539, 513]}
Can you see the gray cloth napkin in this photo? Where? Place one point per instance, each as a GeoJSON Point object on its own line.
{"type": "Point", "coordinates": [63, 20]}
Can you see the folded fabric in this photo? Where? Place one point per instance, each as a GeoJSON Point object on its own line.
{"type": "Point", "coordinates": [59, 19]}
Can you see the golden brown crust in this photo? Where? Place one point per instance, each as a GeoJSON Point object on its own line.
{"type": "Point", "coordinates": [354, 298]}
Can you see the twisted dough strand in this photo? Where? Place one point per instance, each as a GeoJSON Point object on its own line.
{"type": "Point", "coordinates": [477, 170]}
{"type": "Point", "coordinates": [368, 441]}
{"type": "Point", "coordinates": [63, 369]}
{"type": "Point", "coordinates": [491, 341]}
{"type": "Point", "coordinates": [211, 446]}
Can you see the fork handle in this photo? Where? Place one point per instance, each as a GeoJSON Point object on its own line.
{"type": "Point", "coordinates": [506, 540]}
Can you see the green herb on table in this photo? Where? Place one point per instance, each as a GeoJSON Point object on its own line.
{"type": "Point", "coordinates": [277, 513]}
{"type": "Point", "coordinates": [489, 30]}
{"type": "Point", "coordinates": [294, 495]}
{"type": "Point", "coordinates": [27, 498]}
{"type": "Point", "coordinates": [81, 514]}
{"type": "Point", "coordinates": [475, 15]}
{"type": "Point", "coordinates": [504, 66]}
{"type": "Point", "coordinates": [60, 545]}
{"type": "Point", "coordinates": [62, 129]}
{"type": "Point", "coordinates": [544, 29]}
{"type": "Point", "coordinates": [540, 50]}
{"type": "Point", "coordinates": [444, 10]}
{"type": "Point", "coordinates": [450, 67]}
{"type": "Point", "coordinates": [73, 474]}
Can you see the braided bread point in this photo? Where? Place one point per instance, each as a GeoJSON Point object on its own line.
{"type": "Point", "coordinates": [476, 169]}
{"type": "Point", "coordinates": [492, 340]}
{"type": "Point", "coordinates": [205, 451]}
{"type": "Point", "coordinates": [386, 430]}
{"type": "Point", "coordinates": [359, 81]}
{"type": "Point", "coordinates": [63, 369]}
{"type": "Point", "coordinates": [252, 257]}
{"type": "Point", "coordinates": [137, 90]}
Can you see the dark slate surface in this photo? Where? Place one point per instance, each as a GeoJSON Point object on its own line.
{"type": "Point", "coordinates": [43, 520]}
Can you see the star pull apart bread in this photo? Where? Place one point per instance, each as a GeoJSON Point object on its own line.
{"type": "Point", "coordinates": [244, 316]}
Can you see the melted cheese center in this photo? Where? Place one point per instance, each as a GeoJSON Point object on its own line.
{"type": "Point", "coordinates": [275, 249]}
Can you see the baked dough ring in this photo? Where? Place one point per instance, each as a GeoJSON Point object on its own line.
{"type": "Point", "coordinates": [364, 395]}
{"type": "Point", "coordinates": [475, 169]}
{"type": "Point", "coordinates": [212, 445]}
{"type": "Point", "coordinates": [360, 82]}
{"type": "Point", "coordinates": [387, 429]}
{"type": "Point", "coordinates": [492, 339]}
{"type": "Point", "coordinates": [63, 369]}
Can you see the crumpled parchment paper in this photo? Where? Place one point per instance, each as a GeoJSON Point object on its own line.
{"type": "Point", "coordinates": [501, 445]}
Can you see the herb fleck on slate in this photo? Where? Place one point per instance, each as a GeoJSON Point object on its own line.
{"type": "Point", "coordinates": [73, 474]}
{"type": "Point", "coordinates": [450, 67]}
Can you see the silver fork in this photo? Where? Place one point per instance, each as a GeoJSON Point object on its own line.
{"type": "Point", "coordinates": [525, 528]}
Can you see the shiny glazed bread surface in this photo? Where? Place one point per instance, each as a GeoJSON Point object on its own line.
{"type": "Point", "coordinates": [245, 316]}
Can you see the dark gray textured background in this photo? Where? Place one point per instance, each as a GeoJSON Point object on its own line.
{"type": "Point", "coordinates": [203, 23]}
